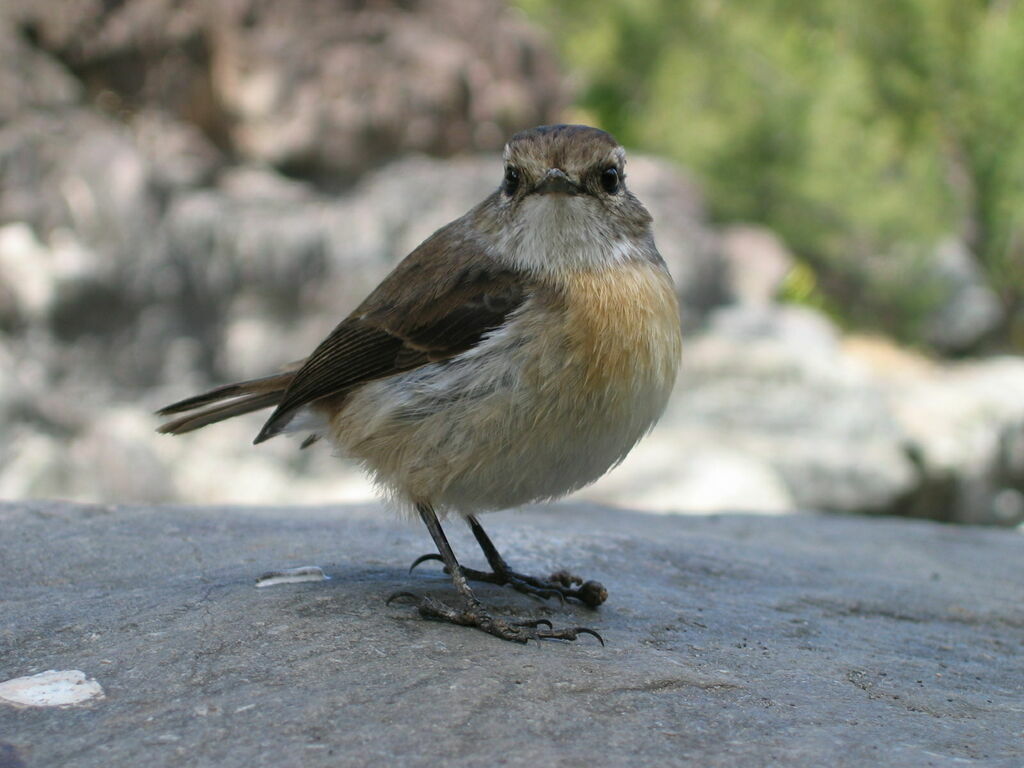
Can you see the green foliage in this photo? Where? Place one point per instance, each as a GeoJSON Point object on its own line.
{"type": "Point", "coordinates": [864, 132]}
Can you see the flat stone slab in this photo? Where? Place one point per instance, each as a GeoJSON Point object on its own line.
{"type": "Point", "coordinates": [731, 640]}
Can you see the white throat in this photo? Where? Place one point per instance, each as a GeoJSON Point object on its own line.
{"type": "Point", "coordinates": [558, 233]}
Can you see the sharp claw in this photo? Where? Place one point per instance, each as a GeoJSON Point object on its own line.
{"type": "Point", "coordinates": [569, 634]}
{"type": "Point", "coordinates": [423, 559]}
{"type": "Point", "coordinates": [586, 631]}
{"type": "Point", "coordinates": [535, 623]}
{"type": "Point", "coordinates": [396, 595]}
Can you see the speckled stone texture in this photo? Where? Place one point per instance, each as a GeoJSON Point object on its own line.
{"type": "Point", "coordinates": [731, 640]}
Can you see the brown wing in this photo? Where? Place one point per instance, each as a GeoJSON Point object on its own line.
{"type": "Point", "coordinates": [439, 302]}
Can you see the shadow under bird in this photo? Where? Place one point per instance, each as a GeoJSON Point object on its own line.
{"type": "Point", "coordinates": [515, 356]}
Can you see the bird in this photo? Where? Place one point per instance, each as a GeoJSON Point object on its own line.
{"type": "Point", "coordinates": [513, 357]}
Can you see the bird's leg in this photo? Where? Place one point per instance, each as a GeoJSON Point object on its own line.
{"type": "Point", "coordinates": [561, 584]}
{"type": "Point", "coordinates": [473, 613]}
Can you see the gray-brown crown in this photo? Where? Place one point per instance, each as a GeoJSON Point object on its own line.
{"type": "Point", "coordinates": [567, 147]}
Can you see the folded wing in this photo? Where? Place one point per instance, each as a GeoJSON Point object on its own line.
{"type": "Point", "coordinates": [439, 302]}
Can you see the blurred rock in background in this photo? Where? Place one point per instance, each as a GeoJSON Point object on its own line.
{"type": "Point", "coordinates": [326, 89]}
{"type": "Point", "coordinates": [193, 192]}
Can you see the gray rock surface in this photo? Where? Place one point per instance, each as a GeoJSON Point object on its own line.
{"type": "Point", "coordinates": [731, 640]}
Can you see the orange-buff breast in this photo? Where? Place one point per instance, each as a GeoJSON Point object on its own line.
{"type": "Point", "coordinates": [623, 326]}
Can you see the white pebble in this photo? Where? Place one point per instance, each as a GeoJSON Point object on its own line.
{"type": "Point", "coordinates": [53, 688]}
{"type": "Point", "coordinates": [291, 576]}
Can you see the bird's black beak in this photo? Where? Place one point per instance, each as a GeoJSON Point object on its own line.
{"type": "Point", "coordinates": [556, 182]}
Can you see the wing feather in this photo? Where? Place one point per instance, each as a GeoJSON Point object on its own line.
{"type": "Point", "coordinates": [439, 302]}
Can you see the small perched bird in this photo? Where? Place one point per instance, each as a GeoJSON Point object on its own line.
{"type": "Point", "coordinates": [516, 355]}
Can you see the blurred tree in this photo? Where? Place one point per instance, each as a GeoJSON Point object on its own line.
{"type": "Point", "coordinates": [865, 133]}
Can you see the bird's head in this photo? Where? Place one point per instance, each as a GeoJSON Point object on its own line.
{"type": "Point", "coordinates": [563, 201]}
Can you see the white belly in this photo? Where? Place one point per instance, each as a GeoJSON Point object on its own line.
{"type": "Point", "coordinates": [537, 410]}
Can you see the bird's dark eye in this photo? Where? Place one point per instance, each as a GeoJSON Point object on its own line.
{"type": "Point", "coordinates": [610, 180]}
{"type": "Point", "coordinates": [511, 183]}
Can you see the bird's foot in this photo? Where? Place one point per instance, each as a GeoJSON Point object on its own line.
{"type": "Point", "coordinates": [561, 584]}
{"type": "Point", "coordinates": [475, 615]}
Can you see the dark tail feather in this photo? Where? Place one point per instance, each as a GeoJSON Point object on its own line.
{"type": "Point", "coordinates": [216, 413]}
{"type": "Point", "coordinates": [224, 402]}
{"type": "Point", "coordinates": [277, 383]}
